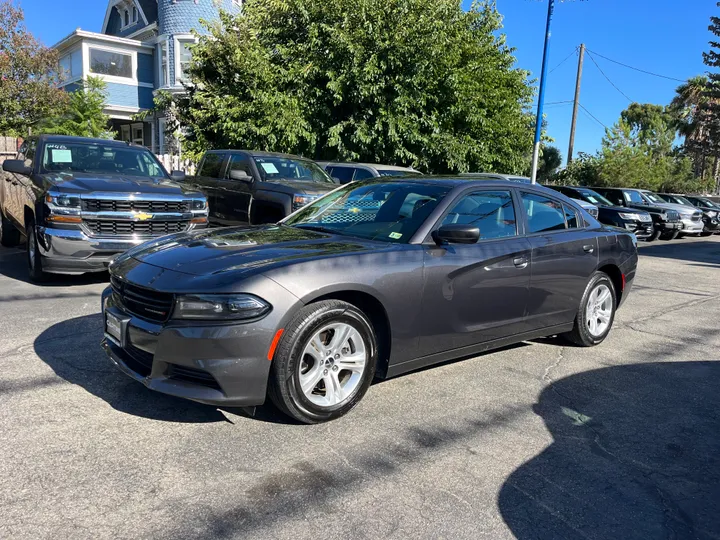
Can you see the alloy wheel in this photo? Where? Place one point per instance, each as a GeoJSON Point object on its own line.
{"type": "Point", "coordinates": [598, 311]}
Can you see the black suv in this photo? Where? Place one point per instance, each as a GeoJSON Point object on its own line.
{"type": "Point", "coordinates": [244, 186]}
{"type": "Point", "coordinates": [710, 210]}
{"type": "Point", "coordinates": [639, 222]}
{"type": "Point", "coordinates": [666, 220]}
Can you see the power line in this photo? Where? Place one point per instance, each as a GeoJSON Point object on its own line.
{"type": "Point", "coordinates": [592, 116]}
{"type": "Point", "coordinates": [608, 78]}
{"type": "Point", "coordinates": [566, 59]}
{"type": "Point", "coordinates": [637, 69]}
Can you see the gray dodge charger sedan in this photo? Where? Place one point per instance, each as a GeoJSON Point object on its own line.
{"type": "Point", "coordinates": [376, 278]}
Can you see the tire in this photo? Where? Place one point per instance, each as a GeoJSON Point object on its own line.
{"type": "Point", "coordinates": [582, 333]}
{"type": "Point", "coordinates": [669, 235]}
{"type": "Point", "coordinates": [9, 235]}
{"type": "Point", "coordinates": [654, 236]}
{"type": "Point", "coordinates": [314, 327]}
{"type": "Point", "coordinates": [34, 259]}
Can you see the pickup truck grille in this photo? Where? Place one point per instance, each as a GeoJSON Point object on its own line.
{"type": "Point", "coordinates": [100, 227]}
{"type": "Point", "coordinates": [147, 304]}
{"type": "Point", "coordinates": [672, 215]}
{"type": "Point", "coordinates": [110, 205]}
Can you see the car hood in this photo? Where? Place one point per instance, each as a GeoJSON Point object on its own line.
{"type": "Point", "coordinates": [683, 209]}
{"type": "Point", "coordinates": [624, 209]}
{"type": "Point", "coordinates": [82, 183]}
{"type": "Point", "coordinates": [247, 250]}
{"type": "Point", "coordinates": [308, 188]}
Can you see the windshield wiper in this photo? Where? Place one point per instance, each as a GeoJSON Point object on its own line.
{"type": "Point", "coordinates": [318, 228]}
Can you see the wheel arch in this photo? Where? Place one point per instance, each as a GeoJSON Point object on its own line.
{"type": "Point", "coordinates": [616, 276]}
{"type": "Point", "coordinates": [371, 305]}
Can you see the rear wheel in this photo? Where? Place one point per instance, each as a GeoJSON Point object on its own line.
{"type": "Point", "coordinates": [324, 363]}
{"type": "Point", "coordinates": [595, 317]}
{"type": "Point", "coordinates": [9, 235]}
{"type": "Point", "coordinates": [671, 235]}
{"type": "Point", "coordinates": [34, 259]}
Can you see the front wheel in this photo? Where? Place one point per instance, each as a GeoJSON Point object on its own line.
{"type": "Point", "coordinates": [34, 259]}
{"type": "Point", "coordinates": [654, 236]}
{"type": "Point", "coordinates": [597, 312]}
{"type": "Point", "coordinates": [324, 363]}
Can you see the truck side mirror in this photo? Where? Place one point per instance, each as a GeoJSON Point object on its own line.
{"type": "Point", "coordinates": [16, 166]}
{"type": "Point", "coordinates": [178, 176]}
{"type": "Point", "coordinates": [240, 176]}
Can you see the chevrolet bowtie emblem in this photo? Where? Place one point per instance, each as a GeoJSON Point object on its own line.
{"type": "Point", "coordinates": [143, 216]}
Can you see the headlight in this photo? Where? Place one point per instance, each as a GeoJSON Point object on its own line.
{"type": "Point", "coordinates": [629, 216]}
{"type": "Point", "coordinates": [199, 204]}
{"type": "Point", "coordinates": [63, 201]}
{"type": "Point", "coordinates": [712, 213]}
{"type": "Point", "coordinates": [301, 200]}
{"type": "Point", "coordinates": [216, 307]}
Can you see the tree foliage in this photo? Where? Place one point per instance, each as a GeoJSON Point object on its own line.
{"type": "Point", "coordinates": [407, 82]}
{"type": "Point", "coordinates": [83, 115]}
{"type": "Point", "coordinates": [550, 161]}
{"type": "Point", "coordinates": [28, 75]}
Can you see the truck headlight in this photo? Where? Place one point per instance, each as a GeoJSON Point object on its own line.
{"type": "Point", "coordinates": [63, 201]}
{"type": "Point", "coordinates": [301, 200]}
{"type": "Point", "coordinates": [219, 307]}
{"type": "Point", "coordinates": [199, 204]}
{"type": "Point", "coordinates": [712, 213]}
{"type": "Point", "coordinates": [629, 216]}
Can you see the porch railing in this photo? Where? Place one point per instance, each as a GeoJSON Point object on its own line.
{"type": "Point", "coordinates": [177, 163]}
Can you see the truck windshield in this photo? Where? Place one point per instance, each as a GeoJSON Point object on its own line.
{"type": "Point", "coordinates": [92, 157]}
{"type": "Point", "coordinates": [275, 168]}
{"type": "Point", "coordinates": [593, 197]}
{"type": "Point", "coordinates": [378, 210]}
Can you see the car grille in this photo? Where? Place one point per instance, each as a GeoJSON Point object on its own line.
{"type": "Point", "coordinates": [147, 304]}
{"type": "Point", "coordinates": [110, 205]}
{"type": "Point", "coordinates": [138, 360]}
{"type": "Point", "coordinates": [102, 227]}
{"type": "Point", "coordinates": [672, 215]}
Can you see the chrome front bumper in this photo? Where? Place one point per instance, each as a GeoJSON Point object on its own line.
{"type": "Point", "coordinates": [692, 227]}
{"type": "Point", "coordinates": [74, 252]}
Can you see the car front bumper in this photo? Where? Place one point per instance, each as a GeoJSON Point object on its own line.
{"type": "Point", "coordinates": [692, 227]}
{"type": "Point", "coordinates": [711, 225]}
{"type": "Point", "coordinates": [669, 226]}
{"type": "Point", "coordinates": [221, 364]}
{"type": "Point", "coordinates": [641, 229]}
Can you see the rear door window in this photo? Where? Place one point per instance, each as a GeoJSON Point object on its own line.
{"type": "Point", "coordinates": [572, 219]}
{"type": "Point", "coordinates": [491, 211]}
{"type": "Point", "coordinates": [211, 165]}
{"type": "Point", "coordinates": [343, 174]}
{"type": "Point", "coordinates": [543, 214]}
{"type": "Point", "coordinates": [362, 174]}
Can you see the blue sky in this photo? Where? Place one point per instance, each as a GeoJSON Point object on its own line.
{"type": "Point", "coordinates": [662, 36]}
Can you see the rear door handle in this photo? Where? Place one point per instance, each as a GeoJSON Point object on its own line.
{"type": "Point", "coordinates": [588, 249]}
{"type": "Point", "coordinates": [520, 262]}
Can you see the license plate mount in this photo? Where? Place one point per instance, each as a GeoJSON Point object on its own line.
{"type": "Point", "coordinates": [116, 327]}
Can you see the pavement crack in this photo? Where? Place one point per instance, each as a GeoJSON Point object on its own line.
{"type": "Point", "coordinates": [546, 376]}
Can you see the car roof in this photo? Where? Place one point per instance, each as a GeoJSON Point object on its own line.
{"type": "Point", "coordinates": [257, 153]}
{"type": "Point", "coordinates": [457, 181]}
{"type": "Point", "coordinates": [374, 165]}
{"type": "Point", "coordinates": [70, 139]}
{"type": "Point", "coordinates": [511, 177]}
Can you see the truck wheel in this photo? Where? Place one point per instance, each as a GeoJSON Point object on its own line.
{"type": "Point", "coordinates": [35, 264]}
{"type": "Point", "coordinates": [9, 235]}
{"type": "Point", "coordinates": [672, 235]}
{"type": "Point", "coordinates": [654, 236]}
{"type": "Point", "coordinates": [324, 363]}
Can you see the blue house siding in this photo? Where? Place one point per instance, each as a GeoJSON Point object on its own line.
{"type": "Point", "coordinates": [146, 68]}
{"type": "Point", "coordinates": [184, 16]}
{"type": "Point", "coordinates": [126, 95]}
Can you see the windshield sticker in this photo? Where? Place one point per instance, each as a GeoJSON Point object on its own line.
{"type": "Point", "coordinates": [270, 168]}
{"type": "Point", "coordinates": [57, 146]}
{"type": "Point", "coordinates": [61, 156]}
{"type": "Point", "coordinates": [395, 235]}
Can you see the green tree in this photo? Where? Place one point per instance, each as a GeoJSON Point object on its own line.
{"type": "Point", "coordinates": [83, 116]}
{"type": "Point", "coordinates": [407, 82]}
{"type": "Point", "coordinates": [550, 161]}
{"type": "Point", "coordinates": [28, 76]}
{"type": "Point", "coordinates": [711, 110]}
{"type": "Point", "coordinates": [690, 112]}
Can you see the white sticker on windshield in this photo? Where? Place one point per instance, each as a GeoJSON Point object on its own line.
{"type": "Point", "coordinates": [395, 235]}
{"type": "Point", "coordinates": [61, 156]}
{"type": "Point", "coordinates": [270, 168]}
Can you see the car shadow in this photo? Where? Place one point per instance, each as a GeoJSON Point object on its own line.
{"type": "Point", "coordinates": [72, 349]}
{"type": "Point", "coordinates": [701, 251]}
{"type": "Point", "coordinates": [636, 455]}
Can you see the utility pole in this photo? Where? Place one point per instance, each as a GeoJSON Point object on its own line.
{"type": "Point", "coordinates": [577, 102]}
{"type": "Point", "coordinates": [541, 95]}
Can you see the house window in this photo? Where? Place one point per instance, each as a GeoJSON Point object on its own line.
{"type": "Point", "coordinates": [110, 63]}
{"type": "Point", "coordinates": [161, 135]}
{"type": "Point", "coordinates": [66, 67]}
{"type": "Point", "coordinates": [125, 133]}
{"type": "Point", "coordinates": [184, 56]}
{"type": "Point", "coordinates": [163, 67]}
{"type": "Point", "coordinates": [137, 134]}
{"type": "Point", "coordinates": [127, 18]}
{"type": "Point", "coordinates": [135, 15]}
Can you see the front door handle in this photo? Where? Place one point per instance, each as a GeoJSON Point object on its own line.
{"type": "Point", "coordinates": [588, 248]}
{"type": "Point", "coordinates": [520, 262]}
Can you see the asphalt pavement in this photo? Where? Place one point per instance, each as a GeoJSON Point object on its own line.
{"type": "Point", "coordinates": [540, 440]}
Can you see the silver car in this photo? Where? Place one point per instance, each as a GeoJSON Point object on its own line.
{"type": "Point", "coordinates": [345, 172]}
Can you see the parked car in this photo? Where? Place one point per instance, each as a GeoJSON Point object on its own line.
{"type": "Point", "coordinates": [638, 222]}
{"type": "Point", "coordinates": [344, 172]}
{"type": "Point", "coordinates": [380, 277]}
{"type": "Point", "coordinates": [666, 220]}
{"type": "Point", "coordinates": [690, 216]}
{"type": "Point", "coordinates": [245, 186]}
{"type": "Point", "coordinates": [79, 202]}
{"type": "Point", "coordinates": [709, 213]}
{"type": "Point", "coordinates": [589, 207]}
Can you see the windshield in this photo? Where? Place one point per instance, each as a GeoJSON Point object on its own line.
{"type": "Point", "coordinates": [653, 198]}
{"type": "Point", "coordinates": [379, 210]}
{"type": "Point", "coordinates": [594, 197]}
{"type": "Point", "coordinates": [707, 202]}
{"type": "Point", "coordinates": [391, 172]}
{"type": "Point", "coordinates": [90, 157]}
{"type": "Point", "coordinates": [273, 168]}
{"type": "Point", "coordinates": [682, 200]}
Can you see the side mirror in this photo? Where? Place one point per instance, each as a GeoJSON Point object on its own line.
{"type": "Point", "coordinates": [242, 176]}
{"type": "Point", "coordinates": [16, 166]}
{"type": "Point", "coordinates": [178, 176]}
{"type": "Point", "coordinates": [457, 234]}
